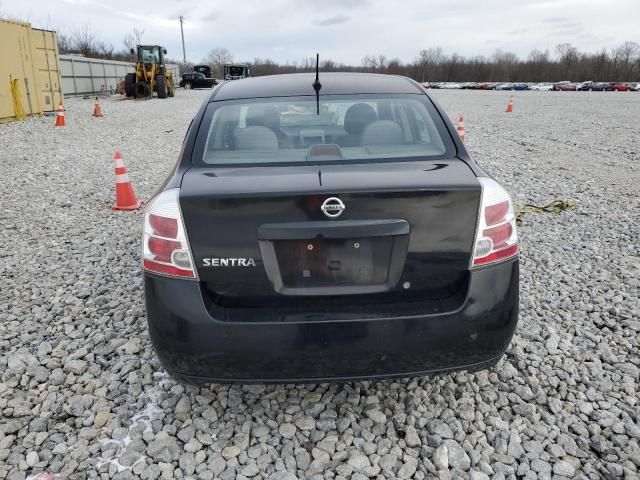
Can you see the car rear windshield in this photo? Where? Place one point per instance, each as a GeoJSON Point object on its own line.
{"type": "Point", "coordinates": [340, 128]}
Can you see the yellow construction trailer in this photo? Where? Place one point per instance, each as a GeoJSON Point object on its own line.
{"type": "Point", "coordinates": [29, 71]}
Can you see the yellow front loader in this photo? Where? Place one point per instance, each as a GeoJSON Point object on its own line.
{"type": "Point", "coordinates": [151, 74]}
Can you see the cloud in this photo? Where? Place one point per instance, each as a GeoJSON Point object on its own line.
{"type": "Point", "coordinates": [555, 19]}
{"type": "Point", "coordinates": [567, 29]}
{"type": "Point", "coordinates": [328, 5]}
{"type": "Point", "coordinates": [290, 30]}
{"type": "Point", "coordinates": [335, 20]}
{"type": "Point", "coordinates": [211, 17]}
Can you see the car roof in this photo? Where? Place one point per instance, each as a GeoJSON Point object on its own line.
{"type": "Point", "coordinates": [300, 84]}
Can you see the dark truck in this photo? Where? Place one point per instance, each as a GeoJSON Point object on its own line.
{"type": "Point", "coordinates": [236, 72]}
{"type": "Point", "coordinates": [327, 230]}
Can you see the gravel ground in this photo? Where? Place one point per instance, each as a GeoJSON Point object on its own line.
{"type": "Point", "coordinates": [83, 396]}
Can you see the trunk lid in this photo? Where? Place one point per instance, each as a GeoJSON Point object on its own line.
{"type": "Point", "coordinates": [407, 229]}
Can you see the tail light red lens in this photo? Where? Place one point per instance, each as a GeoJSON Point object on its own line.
{"type": "Point", "coordinates": [162, 248]}
{"type": "Point", "coordinates": [496, 237]}
{"type": "Point", "coordinates": [165, 246]}
{"type": "Point", "coordinates": [499, 235]}
{"type": "Point", "coordinates": [163, 226]}
{"type": "Point", "coordinates": [495, 213]}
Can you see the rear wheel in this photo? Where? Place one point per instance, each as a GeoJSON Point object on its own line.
{"type": "Point", "coordinates": [142, 90]}
{"type": "Point", "coordinates": [129, 81]}
{"type": "Point", "coordinates": [188, 86]}
{"type": "Point", "coordinates": [161, 86]}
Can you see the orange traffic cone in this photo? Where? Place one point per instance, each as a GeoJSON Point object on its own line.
{"type": "Point", "coordinates": [510, 105]}
{"type": "Point", "coordinates": [460, 127]}
{"type": "Point", "coordinates": [97, 111]}
{"type": "Point", "coordinates": [60, 116]}
{"type": "Point", "coordinates": [125, 198]}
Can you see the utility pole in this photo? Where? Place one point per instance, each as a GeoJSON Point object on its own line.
{"type": "Point", "coordinates": [184, 54]}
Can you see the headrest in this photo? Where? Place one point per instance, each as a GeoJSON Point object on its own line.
{"type": "Point", "coordinates": [263, 116]}
{"type": "Point", "coordinates": [256, 138]}
{"type": "Point", "coordinates": [382, 132]}
{"type": "Point", "coordinates": [358, 116]}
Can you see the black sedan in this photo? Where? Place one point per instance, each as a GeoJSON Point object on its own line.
{"type": "Point", "coordinates": [196, 80]}
{"type": "Point", "coordinates": [327, 230]}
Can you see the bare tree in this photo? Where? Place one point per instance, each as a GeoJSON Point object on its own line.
{"type": "Point", "coordinates": [133, 39]}
{"type": "Point", "coordinates": [369, 63]}
{"type": "Point", "coordinates": [395, 67]}
{"type": "Point", "coordinates": [84, 40]}
{"type": "Point", "coordinates": [64, 43]}
{"type": "Point", "coordinates": [568, 57]}
{"type": "Point", "coordinates": [328, 65]}
{"type": "Point", "coordinates": [624, 57]}
{"type": "Point", "coordinates": [422, 61]}
{"type": "Point", "coordinates": [382, 63]}
{"type": "Point", "coordinates": [216, 59]}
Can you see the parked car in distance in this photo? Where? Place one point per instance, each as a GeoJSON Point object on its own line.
{"type": "Point", "coordinates": [196, 80]}
{"type": "Point", "coordinates": [203, 69]}
{"type": "Point", "coordinates": [618, 86]}
{"type": "Point", "coordinates": [541, 87]}
{"type": "Point", "coordinates": [236, 71]}
{"type": "Point", "coordinates": [520, 86]}
{"type": "Point", "coordinates": [557, 85]}
{"type": "Point", "coordinates": [568, 87]}
{"type": "Point", "coordinates": [598, 87]}
{"type": "Point", "coordinates": [584, 86]}
{"type": "Point", "coordinates": [504, 86]}
{"type": "Point", "coordinates": [306, 235]}
{"type": "Point", "coordinates": [485, 86]}
{"type": "Point", "coordinates": [634, 87]}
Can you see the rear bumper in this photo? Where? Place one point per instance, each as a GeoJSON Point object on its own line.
{"type": "Point", "coordinates": [192, 344]}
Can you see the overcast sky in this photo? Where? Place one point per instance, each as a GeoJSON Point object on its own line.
{"type": "Point", "coordinates": [344, 30]}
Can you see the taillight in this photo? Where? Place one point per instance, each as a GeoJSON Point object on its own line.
{"type": "Point", "coordinates": [166, 249]}
{"type": "Point", "coordinates": [496, 237]}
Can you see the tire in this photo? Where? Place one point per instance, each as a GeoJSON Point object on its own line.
{"type": "Point", "coordinates": [129, 81]}
{"type": "Point", "coordinates": [188, 86]}
{"type": "Point", "coordinates": [161, 86]}
{"type": "Point", "coordinates": [142, 90]}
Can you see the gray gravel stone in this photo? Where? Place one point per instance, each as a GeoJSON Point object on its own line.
{"type": "Point", "coordinates": [287, 430]}
{"type": "Point", "coordinates": [359, 462]}
{"type": "Point", "coordinates": [564, 468]}
{"type": "Point", "coordinates": [408, 468]}
{"type": "Point", "coordinates": [231, 452]}
{"type": "Point", "coordinates": [377, 416]}
{"type": "Point", "coordinates": [164, 448]}
{"type": "Point", "coordinates": [476, 475]}
{"type": "Point", "coordinates": [440, 458]}
{"type": "Point", "coordinates": [456, 455]}
{"type": "Point", "coordinates": [412, 438]}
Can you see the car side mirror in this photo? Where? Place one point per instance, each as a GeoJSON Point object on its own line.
{"type": "Point", "coordinates": [131, 51]}
{"type": "Point", "coordinates": [164, 50]}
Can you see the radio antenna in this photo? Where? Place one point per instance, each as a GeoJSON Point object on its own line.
{"type": "Point", "coordinates": [316, 84]}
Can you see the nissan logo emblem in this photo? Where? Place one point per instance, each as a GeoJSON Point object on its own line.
{"type": "Point", "coordinates": [332, 207]}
